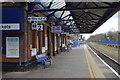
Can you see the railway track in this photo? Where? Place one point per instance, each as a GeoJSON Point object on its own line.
{"type": "Point", "coordinates": [112, 63]}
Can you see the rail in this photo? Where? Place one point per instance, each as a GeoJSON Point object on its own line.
{"type": "Point", "coordinates": [110, 61]}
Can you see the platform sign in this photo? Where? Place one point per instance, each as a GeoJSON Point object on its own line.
{"type": "Point", "coordinates": [10, 26]}
{"type": "Point", "coordinates": [37, 27]}
{"type": "Point", "coordinates": [56, 29]}
{"type": "Point", "coordinates": [12, 47]}
{"type": "Point", "coordinates": [37, 18]}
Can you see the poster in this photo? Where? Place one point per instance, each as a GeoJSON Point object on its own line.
{"type": "Point", "coordinates": [34, 51]}
{"type": "Point", "coordinates": [46, 43]}
{"type": "Point", "coordinates": [43, 49]}
{"type": "Point", "coordinates": [55, 43]}
{"type": "Point", "coordinates": [12, 47]}
{"type": "Point", "coordinates": [60, 42]}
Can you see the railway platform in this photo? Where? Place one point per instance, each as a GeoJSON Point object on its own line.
{"type": "Point", "coordinates": [80, 62]}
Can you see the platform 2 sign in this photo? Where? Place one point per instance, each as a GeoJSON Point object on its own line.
{"type": "Point", "coordinates": [37, 27]}
{"type": "Point", "coordinates": [56, 29]}
{"type": "Point", "coordinates": [12, 47]}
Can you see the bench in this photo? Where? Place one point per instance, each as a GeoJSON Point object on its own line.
{"type": "Point", "coordinates": [43, 58]}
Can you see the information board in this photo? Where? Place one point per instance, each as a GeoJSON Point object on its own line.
{"type": "Point", "coordinates": [34, 51]}
{"type": "Point", "coordinates": [12, 47]}
{"type": "Point", "coordinates": [46, 43]}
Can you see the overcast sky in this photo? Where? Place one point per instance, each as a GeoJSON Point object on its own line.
{"type": "Point", "coordinates": [111, 24]}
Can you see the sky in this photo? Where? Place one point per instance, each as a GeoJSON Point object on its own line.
{"type": "Point", "coordinates": [110, 25]}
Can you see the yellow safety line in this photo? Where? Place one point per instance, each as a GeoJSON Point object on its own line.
{"type": "Point", "coordinates": [89, 67]}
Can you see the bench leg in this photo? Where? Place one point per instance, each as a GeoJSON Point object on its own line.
{"type": "Point", "coordinates": [44, 65]}
{"type": "Point", "coordinates": [50, 62]}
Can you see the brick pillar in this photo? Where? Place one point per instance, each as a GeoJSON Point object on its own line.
{"type": "Point", "coordinates": [34, 39]}
{"type": "Point", "coordinates": [40, 41]}
{"type": "Point", "coordinates": [50, 42]}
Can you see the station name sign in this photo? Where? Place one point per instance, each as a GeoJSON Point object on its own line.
{"type": "Point", "coordinates": [37, 18]}
{"type": "Point", "coordinates": [56, 29]}
{"type": "Point", "coordinates": [12, 26]}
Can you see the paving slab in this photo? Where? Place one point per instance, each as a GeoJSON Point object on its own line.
{"type": "Point", "coordinates": [80, 62]}
{"type": "Point", "coordinates": [71, 64]}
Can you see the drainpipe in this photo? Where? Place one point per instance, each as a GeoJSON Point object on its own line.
{"type": "Point", "coordinates": [26, 34]}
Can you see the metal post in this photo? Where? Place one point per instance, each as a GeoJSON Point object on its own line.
{"type": "Point", "coordinates": [1, 44]}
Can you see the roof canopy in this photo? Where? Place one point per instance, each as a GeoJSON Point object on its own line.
{"type": "Point", "coordinates": [77, 17]}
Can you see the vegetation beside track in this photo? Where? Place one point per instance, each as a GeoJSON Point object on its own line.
{"type": "Point", "coordinates": [107, 49]}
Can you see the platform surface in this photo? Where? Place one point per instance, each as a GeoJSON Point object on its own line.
{"type": "Point", "coordinates": [78, 63]}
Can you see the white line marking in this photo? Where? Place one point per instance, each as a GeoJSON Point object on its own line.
{"type": "Point", "coordinates": [105, 63]}
{"type": "Point", "coordinates": [107, 56]}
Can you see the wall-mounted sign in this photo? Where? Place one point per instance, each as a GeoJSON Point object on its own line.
{"type": "Point", "coordinates": [55, 43]}
{"type": "Point", "coordinates": [12, 19]}
{"type": "Point", "coordinates": [12, 26]}
{"type": "Point", "coordinates": [56, 29]}
{"type": "Point", "coordinates": [63, 45]}
{"type": "Point", "coordinates": [37, 27]}
{"type": "Point", "coordinates": [46, 43]}
{"type": "Point", "coordinates": [12, 47]}
{"type": "Point", "coordinates": [60, 41]}
{"type": "Point", "coordinates": [34, 51]}
{"type": "Point", "coordinates": [43, 49]}
{"type": "Point", "coordinates": [37, 18]}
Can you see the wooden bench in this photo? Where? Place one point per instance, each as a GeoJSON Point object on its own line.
{"type": "Point", "coordinates": [43, 58]}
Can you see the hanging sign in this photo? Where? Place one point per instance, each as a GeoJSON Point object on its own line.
{"type": "Point", "coordinates": [36, 22]}
{"type": "Point", "coordinates": [12, 26]}
{"type": "Point", "coordinates": [56, 29]}
{"type": "Point", "coordinates": [37, 27]}
{"type": "Point", "coordinates": [37, 18]}
{"type": "Point", "coordinates": [12, 47]}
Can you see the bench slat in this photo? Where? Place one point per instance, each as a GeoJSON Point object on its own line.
{"type": "Point", "coordinates": [43, 58]}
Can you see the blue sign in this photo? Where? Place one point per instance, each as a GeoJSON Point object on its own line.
{"type": "Point", "coordinates": [56, 29]}
{"type": "Point", "coordinates": [11, 17]}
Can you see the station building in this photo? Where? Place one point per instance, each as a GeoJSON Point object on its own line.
{"type": "Point", "coordinates": [21, 41]}
{"type": "Point", "coordinates": [33, 28]}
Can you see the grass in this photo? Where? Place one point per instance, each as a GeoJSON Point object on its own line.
{"type": "Point", "coordinates": [107, 49]}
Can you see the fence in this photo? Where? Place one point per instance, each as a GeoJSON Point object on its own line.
{"type": "Point", "coordinates": [78, 43]}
